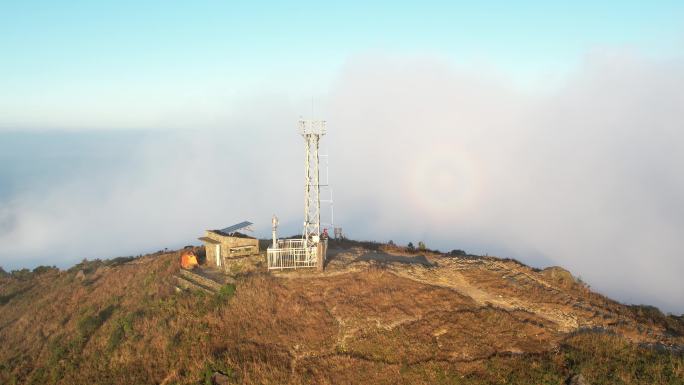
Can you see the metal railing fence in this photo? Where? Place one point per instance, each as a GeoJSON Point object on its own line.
{"type": "Point", "coordinates": [291, 257]}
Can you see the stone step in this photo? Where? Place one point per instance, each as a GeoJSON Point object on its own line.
{"type": "Point", "coordinates": [200, 280]}
{"type": "Point", "coordinates": [184, 284]}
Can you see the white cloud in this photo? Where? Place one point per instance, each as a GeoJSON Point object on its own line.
{"type": "Point", "coordinates": [587, 177]}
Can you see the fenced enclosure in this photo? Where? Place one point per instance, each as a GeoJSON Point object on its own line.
{"type": "Point", "coordinates": [290, 243]}
{"type": "Point", "coordinates": [291, 254]}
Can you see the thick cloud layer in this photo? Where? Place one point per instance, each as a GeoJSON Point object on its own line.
{"type": "Point", "coordinates": [587, 177]}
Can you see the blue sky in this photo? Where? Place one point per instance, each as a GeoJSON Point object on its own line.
{"type": "Point", "coordinates": [144, 58]}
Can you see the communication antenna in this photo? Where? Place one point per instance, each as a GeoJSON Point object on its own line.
{"type": "Point", "coordinates": [274, 228]}
{"type": "Point", "coordinates": [311, 131]}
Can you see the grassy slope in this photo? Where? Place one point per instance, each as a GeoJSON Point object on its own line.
{"type": "Point", "coordinates": [124, 324]}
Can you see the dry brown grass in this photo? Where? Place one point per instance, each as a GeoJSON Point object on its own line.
{"type": "Point", "coordinates": [125, 324]}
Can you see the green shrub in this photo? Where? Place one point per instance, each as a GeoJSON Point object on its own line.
{"type": "Point", "coordinates": [651, 314]}
{"type": "Point", "coordinates": [88, 266]}
{"type": "Point", "coordinates": [44, 269]}
{"type": "Point", "coordinates": [611, 359]}
{"type": "Point", "coordinates": [123, 329]}
{"type": "Point", "coordinates": [39, 376]}
{"type": "Point", "coordinates": [57, 350]}
{"type": "Point", "coordinates": [115, 339]}
{"type": "Point", "coordinates": [118, 261]}
{"type": "Point", "coordinates": [22, 274]}
{"type": "Point", "coordinates": [5, 298]}
{"type": "Point", "coordinates": [226, 292]}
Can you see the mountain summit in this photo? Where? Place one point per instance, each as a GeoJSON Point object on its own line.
{"type": "Point", "coordinates": [378, 314]}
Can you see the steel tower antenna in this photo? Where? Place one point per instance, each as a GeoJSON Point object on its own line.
{"type": "Point", "coordinates": [311, 131]}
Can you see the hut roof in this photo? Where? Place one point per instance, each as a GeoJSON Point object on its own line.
{"type": "Point", "coordinates": [234, 234]}
{"type": "Point", "coordinates": [209, 240]}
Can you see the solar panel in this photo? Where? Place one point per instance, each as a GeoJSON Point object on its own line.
{"type": "Point", "coordinates": [236, 227]}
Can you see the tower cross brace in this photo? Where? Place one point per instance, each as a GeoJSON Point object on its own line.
{"type": "Point", "coordinates": [311, 131]}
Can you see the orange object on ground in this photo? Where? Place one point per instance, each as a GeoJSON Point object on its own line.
{"type": "Point", "coordinates": [188, 260]}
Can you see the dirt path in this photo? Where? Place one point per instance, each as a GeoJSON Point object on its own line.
{"type": "Point", "coordinates": [446, 272]}
{"type": "Point", "coordinates": [450, 277]}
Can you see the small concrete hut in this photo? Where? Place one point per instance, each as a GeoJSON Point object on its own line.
{"type": "Point", "coordinates": [223, 247]}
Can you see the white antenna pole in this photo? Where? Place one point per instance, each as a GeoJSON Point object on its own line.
{"type": "Point", "coordinates": [274, 223]}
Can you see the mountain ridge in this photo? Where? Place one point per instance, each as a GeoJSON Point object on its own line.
{"type": "Point", "coordinates": [377, 314]}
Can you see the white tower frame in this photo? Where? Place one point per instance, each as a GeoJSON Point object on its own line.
{"type": "Point", "coordinates": [308, 251]}
{"type": "Point", "coordinates": [311, 131]}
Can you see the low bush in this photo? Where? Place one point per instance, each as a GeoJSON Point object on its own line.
{"type": "Point", "coordinates": [22, 274]}
{"type": "Point", "coordinates": [44, 269]}
{"type": "Point", "coordinates": [123, 329]}
{"type": "Point", "coordinates": [651, 314]}
{"type": "Point", "coordinates": [226, 292]}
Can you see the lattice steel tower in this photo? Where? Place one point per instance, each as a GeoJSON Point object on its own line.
{"type": "Point", "coordinates": [311, 131]}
